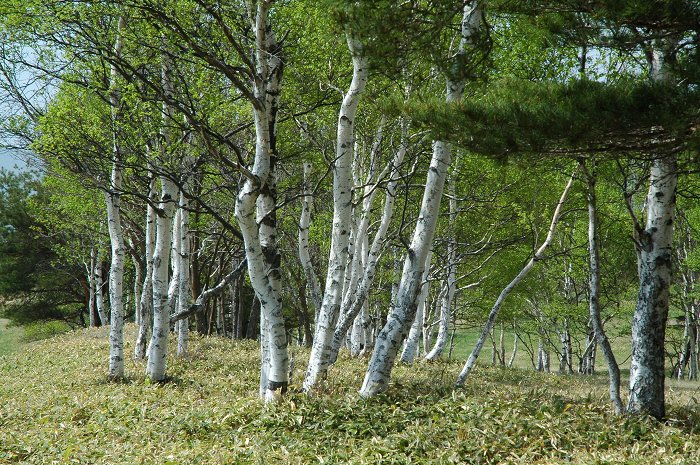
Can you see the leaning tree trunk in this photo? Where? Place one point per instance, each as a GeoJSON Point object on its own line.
{"type": "Point", "coordinates": [491, 320]}
{"type": "Point", "coordinates": [342, 216]}
{"type": "Point", "coordinates": [401, 316]}
{"type": "Point", "coordinates": [116, 235]}
{"type": "Point", "coordinates": [450, 282]}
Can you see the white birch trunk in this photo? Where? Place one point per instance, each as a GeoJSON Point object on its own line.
{"type": "Point", "coordinates": [146, 307]}
{"type": "Point", "coordinates": [451, 283]}
{"type": "Point", "coordinates": [594, 293]}
{"type": "Point", "coordinates": [654, 252]}
{"type": "Point", "coordinates": [158, 347]}
{"type": "Point", "coordinates": [99, 295]}
{"type": "Point", "coordinates": [184, 296]}
{"type": "Point", "coordinates": [342, 216]}
{"type": "Point", "coordinates": [255, 203]}
{"type": "Point", "coordinates": [114, 225]}
{"type": "Point", "coordinates": [90, 269]}
{"type": "Point", "coordinates": [356, 299]}
{"type": "Point", "coordinates": [411, 349]}
{"type": "Point", "coordinates": [400, 318]}
{"type": "Point", "coordinates": [314, 288]}
{"type": "Point", "coordinates": [491, 320]}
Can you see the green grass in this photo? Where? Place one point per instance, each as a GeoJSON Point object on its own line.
{"type": "Point", "coordinates": [11, 337]}
{"type": "Point", "coordinates": [56, 406]}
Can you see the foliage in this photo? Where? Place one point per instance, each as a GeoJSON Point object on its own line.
{"type": "Point", "coordinates": [56, 406]}
{"type": "Point", "coordinates": [35, 285]}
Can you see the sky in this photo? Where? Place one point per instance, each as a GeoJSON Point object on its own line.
{"type": "Point", "coordinates": [9, 160]}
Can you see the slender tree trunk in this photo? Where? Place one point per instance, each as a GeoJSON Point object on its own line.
{"type": "Point", "coordinates": [491, 320]}
{"type": "Point", "coordinates": [313, 285]}
{"type": "Point", "coordinates": [594, 292]}
{"type": "Point", "coordinates": [99, 294]}
{"type": "Point", "coordinates": [514, 353]}
{"type": "Point", "coordinates": [400, 318]}
{"type": "Point", "coordinates": [184, 297]}
{"type": "Point", "coordinates": [116, 236]}
{"type": "Point", "coordinates": [342, 216]}
{"type": "Point", "coordinates": [411, 349]}
{"type": "Point", "coordinates": [451, 281]}
{"type": "Point", "coordinates": [90, 268]}
{"type": "Point", "coordinates": [146, 308]}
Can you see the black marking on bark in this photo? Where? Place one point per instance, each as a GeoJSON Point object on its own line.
{"type": "Point", "coordinates": [277, 386]}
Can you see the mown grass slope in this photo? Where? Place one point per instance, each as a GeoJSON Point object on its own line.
{"type": "Point", "coordinates": [10, 337]}
{"type": "Point", "coordinates": [56, 407]}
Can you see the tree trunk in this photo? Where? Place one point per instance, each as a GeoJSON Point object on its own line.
{"type": "Point", "coordinates": [654, 251]}
{"type": "Point", "coordinates": [412, 347]}
{"type": "Point", "coordinates": [256, 210]}
{"type": "Point", "coordinates": [594, 292]}
{"type": "Point", "coordinates": [303, 238]}
{"type": "Point", "coordinates": [146, 308]}
{"type": "Point", "coordinates": [342, 216]}
{"type": "Point", "coordinates": [114, 225]}
{"type": "Point", "coordinates": [491, 320]}
{"type": "Point", "coordinates": [184, 297]}
{"type": "Point", "coordinates": [451, 281]}
{"type": "Point", "coordinates": [400, 318]}
{"type": "Point", "coordinates": [158, 347]}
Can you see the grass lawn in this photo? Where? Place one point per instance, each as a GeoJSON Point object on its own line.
{"type": "Point", "coordinates": [56, 406]}
{"type": "Point", "coordinates": [10, 337]}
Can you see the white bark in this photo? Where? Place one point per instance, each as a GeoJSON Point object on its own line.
{"type": "Point", "coordinates": [313, 286]}
{"type": "Point", "coordinates": [158, 347]}
{"type": "Point", "coordinates": [491, 320]}
{"type": "Point", "coordinates": [594, 295]}
{"type": "Point", "coordinates": [342, 216]}
{"type": "Point", "coordinates": [450, 282]}
{"type": "Point", "coordinates": [355, 300]}
{"type": "Point", "coordinates": [411, 349]}
{"type": "Point", "coordinates": [654, 251]}
{"type": "Point", "coordinates": [655, 248]}
{"type": "Point", "coordinates": [116, 236]}
{"type": "Point", "coordinates": [184, 296]}
{"type": "Point", "coordinates": [400, 318]}
{"type": "Point", "coordinates": [257, 196]}
{"type": "Point", "coordinates": [90, 269]}
{"type": "Point", "coordinates": [99, 295]}
{"type": "Point", "coordinates": [146, 307]}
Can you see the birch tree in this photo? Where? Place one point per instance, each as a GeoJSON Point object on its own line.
{"type": "Point", "coordinates": [491, 320]}
{"type": "Point", "coordinates": [402, 315]}
{"type": "Point", "coordinates": [654, 245]}
{"type": "Point", "coordinates": [116, 236]}
{"type": "Point", "coordinates": [342, 216]}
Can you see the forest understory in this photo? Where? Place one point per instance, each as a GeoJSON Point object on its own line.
{"type": "Point", "coordinates": [56, 407]}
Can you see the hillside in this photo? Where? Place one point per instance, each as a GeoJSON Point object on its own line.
{"type": "Point", "coordinates": [56, 407]}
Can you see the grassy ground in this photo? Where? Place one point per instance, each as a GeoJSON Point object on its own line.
{"type": "Point", "coordinates": [10, 337]}
{"type": "Point", "coordinates": [56, 407]}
